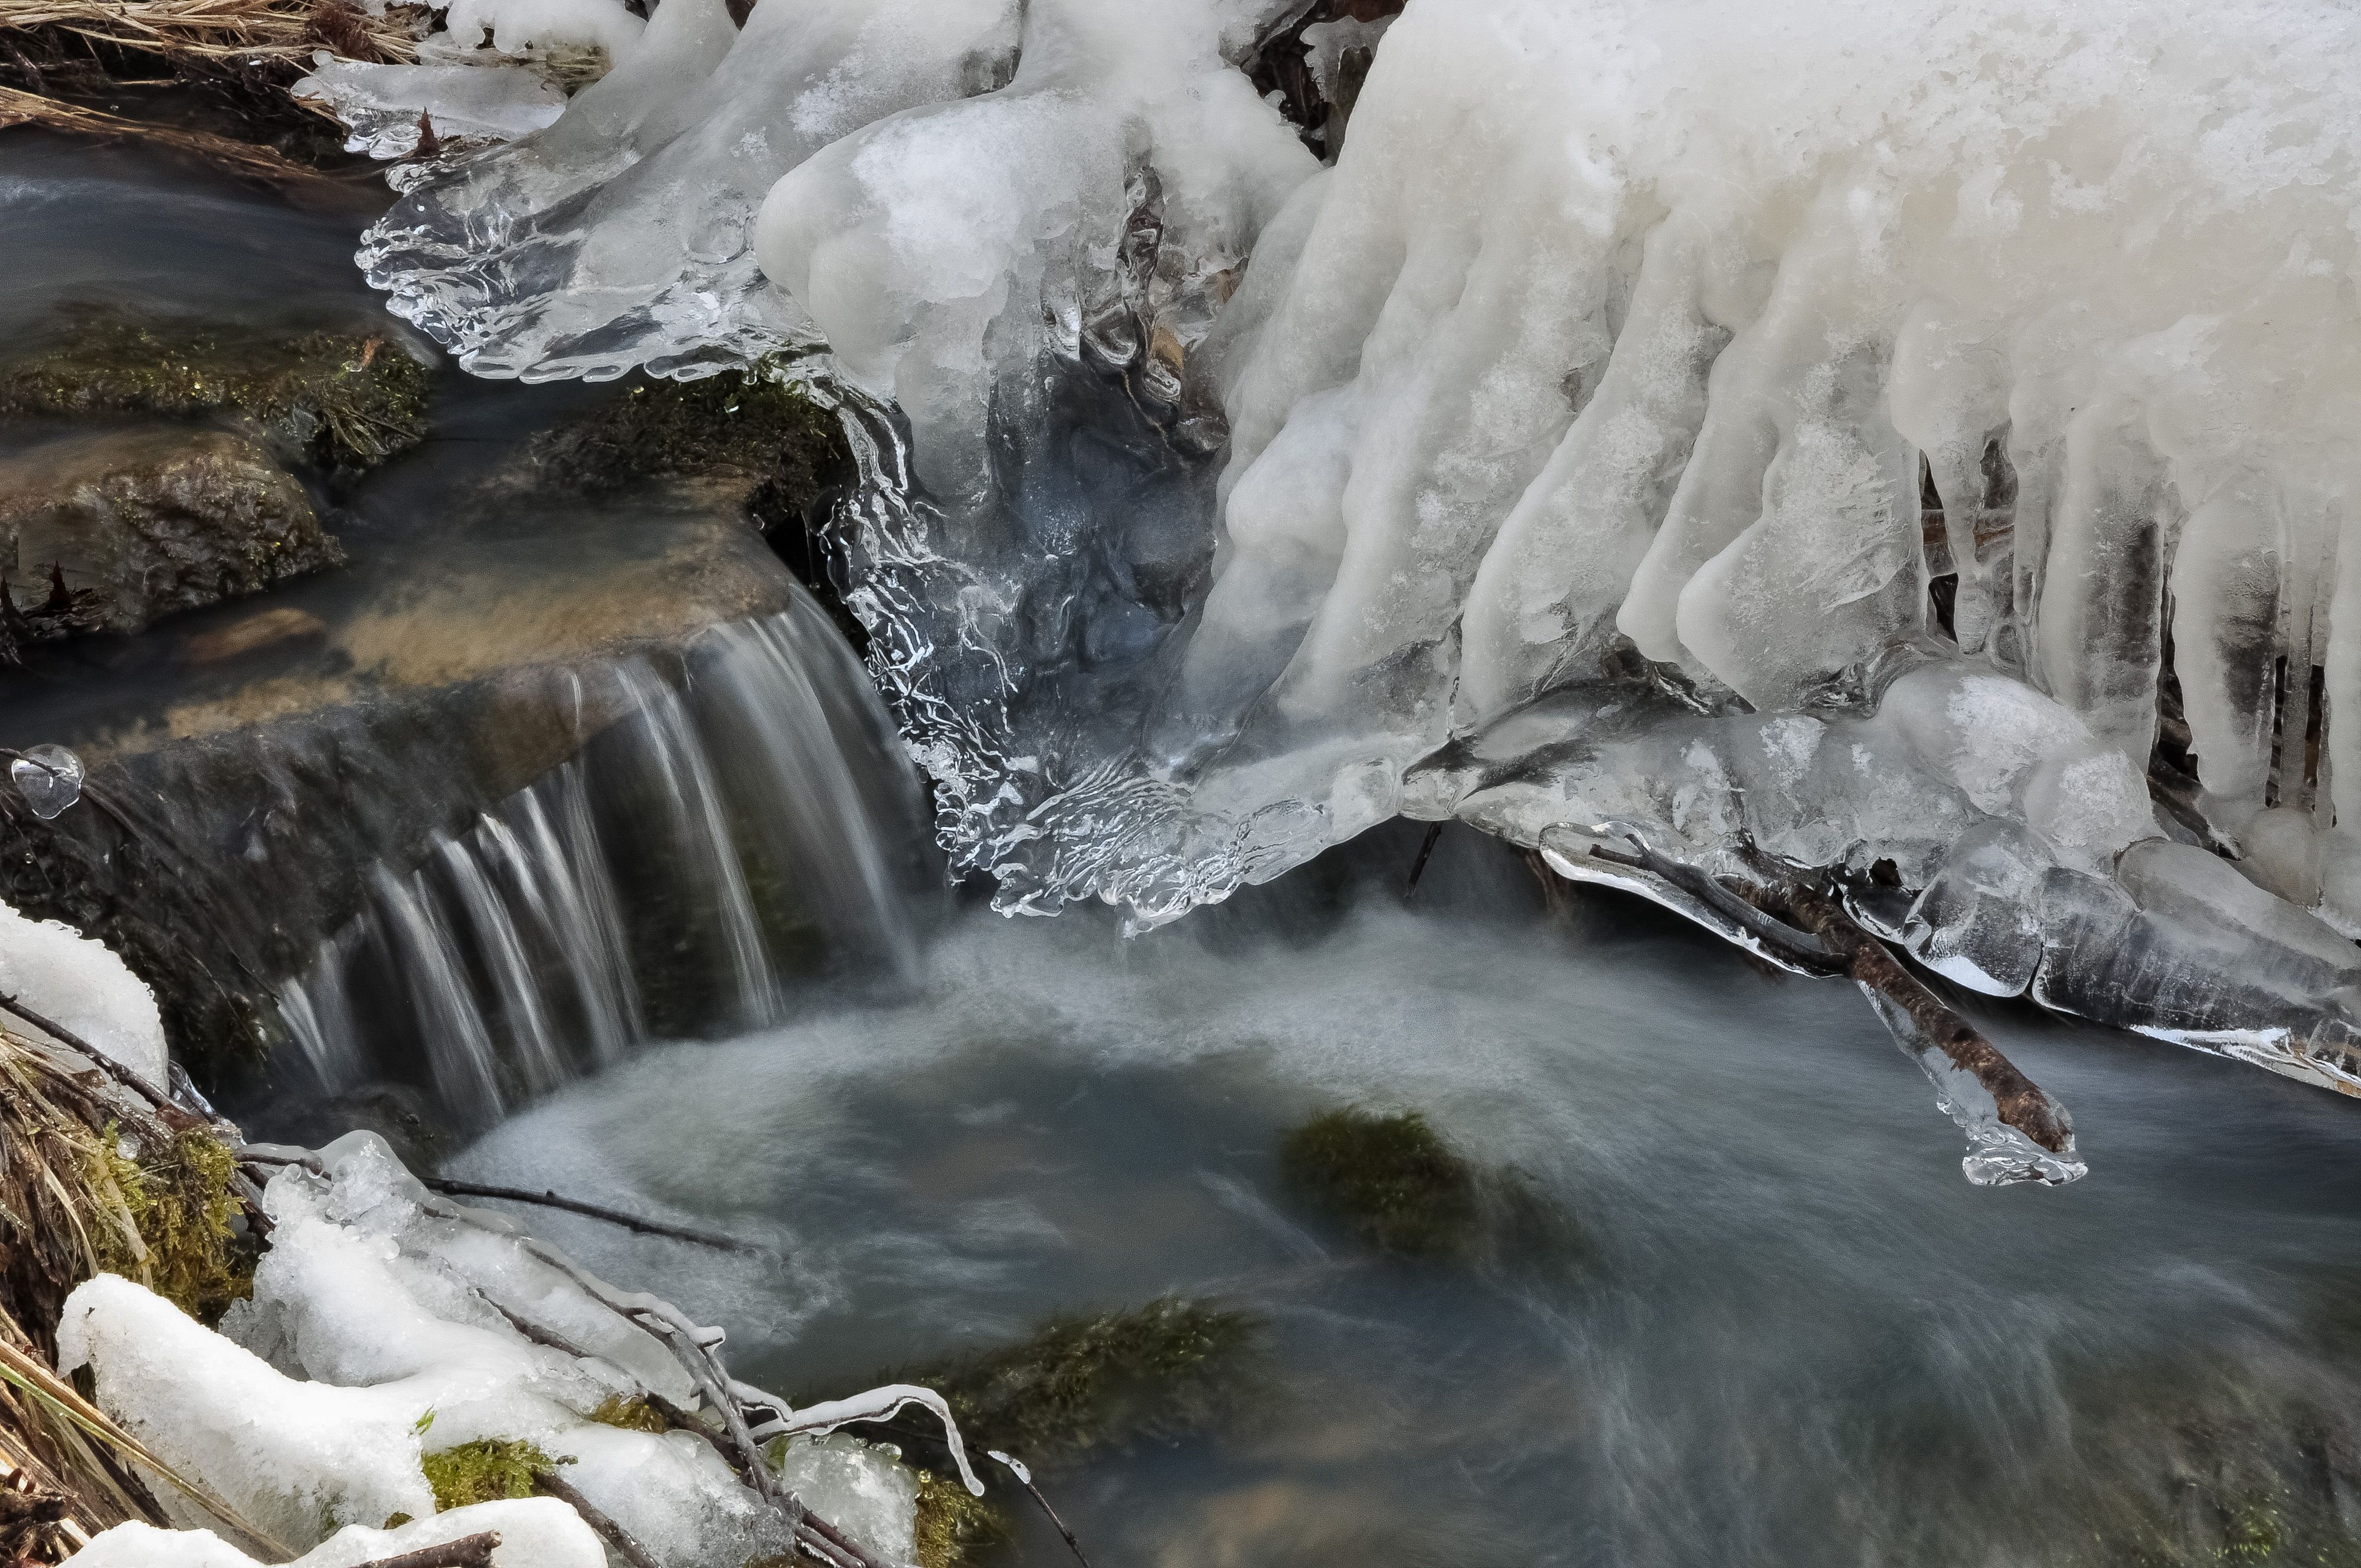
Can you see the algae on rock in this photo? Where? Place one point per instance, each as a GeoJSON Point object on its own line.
{"type": "Point", "coordinates": [746, 428]}
{"type": "Point", "coordinates": [130, 526]}
{"type": "Point", "coordinates": [335, 398]}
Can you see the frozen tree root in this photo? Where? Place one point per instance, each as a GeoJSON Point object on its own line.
{"type": "Point", "coordinates": [2015, 1131]}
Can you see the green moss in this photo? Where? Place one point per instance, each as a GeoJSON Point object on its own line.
{"type": "Point", "coordinates": [747, 424]}
{"type": "Point", "coordinates": [337, 399]}
{"type": "Point", "coordinates": [182, 1203]}
{"type": "Point", "coordinates": [1390, 1177]}
{"type": "Point", "coordinates": [489, 1470]}
{"type": "Point", "coordinates": [632, 1415]}
{"type": "Point", "coordinates": [953, 1525]}
{"type": "Point", "coordinates": [1083, 1385]}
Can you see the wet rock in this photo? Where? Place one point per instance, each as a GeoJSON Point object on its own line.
{"type": "Point", "coordinates": [267, 628]}
{"type": "Point", "coordinates": [129, 527]}
{"type": "Point", "coordinates": [259, 789]}
{"type": "Point", "coordinates": [334, 399]}
{"type": "Point", "coordinates": [752, 439]}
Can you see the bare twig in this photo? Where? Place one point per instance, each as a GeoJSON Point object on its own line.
{"type": "Point", "coordinates": [1025, 1478]}
{"type": "Point", "coordinates": [548, 1199]}
{"type": "Point", "coordinates": [613, 1534]}
{"type": "Point", "coordinates": [1425, 849]}
{"type": "Point", "coordinates": [468, 1552]}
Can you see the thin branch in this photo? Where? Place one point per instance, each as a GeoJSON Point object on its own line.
{"type": "Point", "coordinates": [98, 1059]}
{"type": "Point", "coordinates": [468, 1552]}
{"type": "Point", "coordinates": [575, 1206]}
{"type": "Point", "coordinates": [613, 1534]}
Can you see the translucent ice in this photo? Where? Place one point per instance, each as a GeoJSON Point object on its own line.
{"type": "Point", "coordinates": [1908, 445]}
{"type": "Point", "coordinates": [49, 778]}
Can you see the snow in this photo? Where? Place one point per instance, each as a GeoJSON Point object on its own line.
{"type": "Point", "coordinates": [78, 982]}
{"type": "Point", "coordinates": [535, 1532]}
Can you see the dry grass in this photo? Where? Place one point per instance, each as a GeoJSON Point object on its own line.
{"type": "Point", "coordinates": [225, 32]}
{"type": "Point", "coordinates": [248, 158]}
{"type": "Point", "coordinates": [89, 1179]}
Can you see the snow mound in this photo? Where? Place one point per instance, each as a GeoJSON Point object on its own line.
{"type": "Point", "coordinates": [385, 1325]}
{"type": "Point", "coordinates": [78, 981]}
{"type": "Point", "coordinates": [535, 1532]}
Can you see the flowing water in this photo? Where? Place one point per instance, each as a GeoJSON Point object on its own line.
{"type": "Point", "coordinates": [1778, 1328]}
{"type": "Point", "coordinates": [1766, 1322]}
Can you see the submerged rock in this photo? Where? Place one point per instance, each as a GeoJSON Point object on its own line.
{"type": "Point", "coordinates": [335, 398]}
{"type": "Point", "coordinates": [1402, 1188]}
{"type": "Point", "coordinates": [1087, 1384]}
{"type": "Point", "coordinates": [129, 527]}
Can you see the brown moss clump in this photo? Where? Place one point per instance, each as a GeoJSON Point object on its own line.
{"type": "Point", "coordinates": [631, 1414]}
{"type": "Point", "coordinates": [953, 1525]}
{"type": "Point", "coordinates": [748, 426]}
{"type": "Point", "coordinates": [338, 400]}
{"type": "Point", "coordinates": [488, 1470]}
{"type": "Point", "coordinates": [1390, 1177]}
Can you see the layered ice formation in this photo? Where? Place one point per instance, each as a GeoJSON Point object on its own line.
{"type": "Point", "coordinates": [1903, 445]}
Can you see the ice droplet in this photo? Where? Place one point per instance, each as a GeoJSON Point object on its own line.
{"type": "Point", "coordinates": [49, 778]}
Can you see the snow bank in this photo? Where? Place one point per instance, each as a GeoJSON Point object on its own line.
{"type": "Point", "coordinates": [535, 1532]}
{"type": "Point", "coordinates": [1801, 426]}
{"type": "Point", "coordinates": [385, 1325]}
{"type": "Point", "coordinates": [79, 982]}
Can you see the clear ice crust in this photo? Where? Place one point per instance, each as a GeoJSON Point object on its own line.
{"type": "Point", "coordinates": [1904, 443]}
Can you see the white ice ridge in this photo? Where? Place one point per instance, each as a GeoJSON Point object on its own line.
{"type": "Point", "coordinates": [385, 1325]}
{"type": "Point", "coordinates": [1905, 440]}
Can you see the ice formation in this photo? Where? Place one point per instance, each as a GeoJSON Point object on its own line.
{"type": "Point", "coordinates": [78, 983]}
{"type": "Point", "coordinates": [1908, 442]}
{"type": "Point", "coordinates": [386, 1324]}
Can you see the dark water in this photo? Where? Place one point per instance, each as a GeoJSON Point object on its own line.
{"type": "Point", "coordinates": [1783, 1331]}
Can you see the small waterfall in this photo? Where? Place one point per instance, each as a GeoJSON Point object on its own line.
{"type": "Point", "coordinates": [750, 821]}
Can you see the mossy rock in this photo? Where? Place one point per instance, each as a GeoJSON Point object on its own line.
{"type": "Point", "coordinates": [1400, 1187]}
{"type": "Point", "coordinates": [751, 429]}
{"type": "Point", "coordinates": [1080, 1386]}
{"type": "Point", "coordinates": [1388, 1175]}
{"type": "Point", "coordinates": [111, 531]}
{"type": "Point", "coordinates": [335, 398]}
{"type": "Point", "coordinates": [488, 1470]}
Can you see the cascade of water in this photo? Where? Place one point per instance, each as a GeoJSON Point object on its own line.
{"type": "Point", "coordinates": [786, 689]}
{"type": "Point", "coordinates": [751, 810]}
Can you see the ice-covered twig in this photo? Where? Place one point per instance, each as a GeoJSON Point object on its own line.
{"type": "Point", "coordinates": [468, 1552]}
{"type": "Point", "coordinates": [1025, 1478]}
{"type": "Point", "coordinates": [877, 1405]}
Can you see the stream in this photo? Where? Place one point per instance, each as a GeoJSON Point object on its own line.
{"type": "Point", "coordinates": [1760, 1318]}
